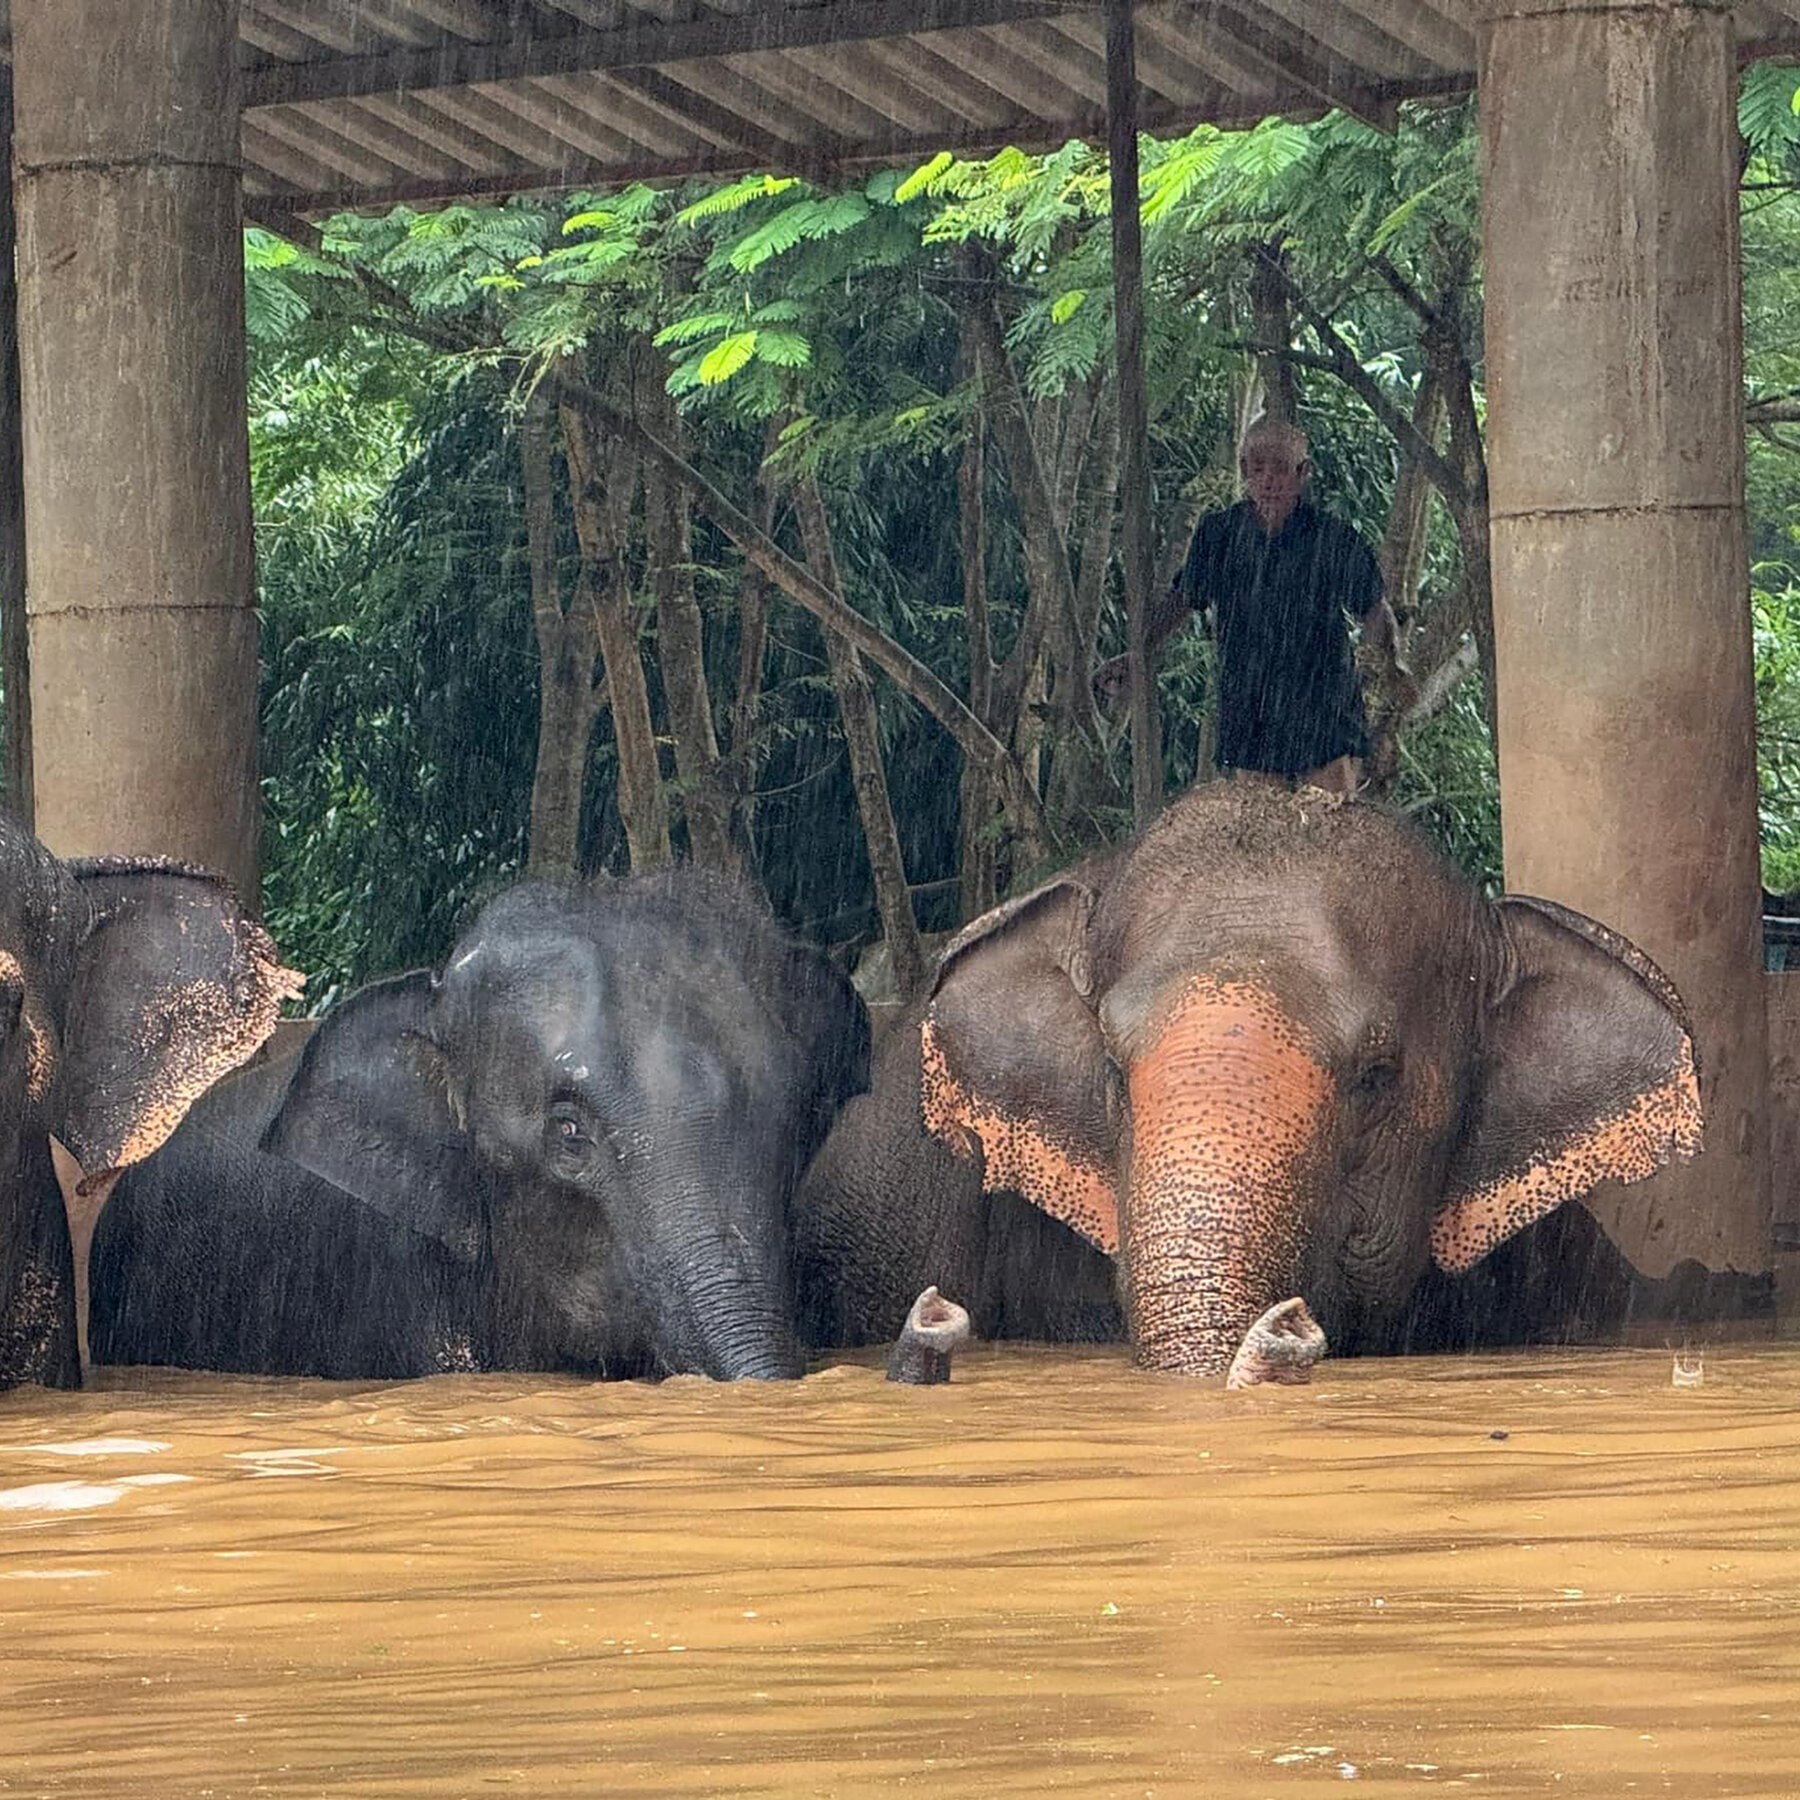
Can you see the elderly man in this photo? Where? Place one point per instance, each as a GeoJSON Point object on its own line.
{"type": "Point", "coordinates": [1281, 580]}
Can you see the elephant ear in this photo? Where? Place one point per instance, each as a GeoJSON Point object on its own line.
{"type": "Point", "coordinates": [42, 915]}
{"type": "Point", "coordinates": [30, 1050]}
{"type": "Point", "coordinates": [1013, 1067]}
{"type": "Point", "coordinates": [1587, 1075]}
{"type": "Point", "coordinates": [369, 1110]}
{"type": "Point", "coordinates": [172, 985]}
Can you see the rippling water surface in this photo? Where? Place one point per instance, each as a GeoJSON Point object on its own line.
{"type": "Point", "coordinates": [1539, 1574]}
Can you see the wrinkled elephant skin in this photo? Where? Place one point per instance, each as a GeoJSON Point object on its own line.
{"type": "Point", "coordinates": [127, 987]}
{"type": "Point", "coordinates": [1275, 1046]}
{"type": "Point", "coordinates": [572, 1147]}
{"type": "Point", "coordinates": [1281, 1347]}
{"type": "Point", "coordinates": [934, 1331]}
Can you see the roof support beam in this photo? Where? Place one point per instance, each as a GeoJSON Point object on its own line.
{"type": "Point", "coordinates": [631, 46]}
{"type": "Point", "coordinates": [817, 163]}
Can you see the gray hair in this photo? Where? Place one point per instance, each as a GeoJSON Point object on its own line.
{"type": "Point", "coordinates": [1274, 434]}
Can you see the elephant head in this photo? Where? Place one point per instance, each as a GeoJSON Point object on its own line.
{"type": "Point", "coordinates": [126, 988]}
{"type": "Point", "coordinates": [610, 1088]}
{"type": "Point", "coordinates": [1277, 1046]}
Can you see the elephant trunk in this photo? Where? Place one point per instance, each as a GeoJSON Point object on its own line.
{"type": "Point", "coordinates": [1228, 1106]}
{"type": "Point", "coordinates": [748, 1345]}
{"type": "Point", "coordinates": [732, 1315]}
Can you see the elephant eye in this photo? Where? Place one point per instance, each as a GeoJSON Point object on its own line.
{"type": "Point", "coordinates": [568, 1131]}
{"type": "Point", "coordinates": [1377, 1077]}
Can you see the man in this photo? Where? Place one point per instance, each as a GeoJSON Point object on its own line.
{"type": "Point", "coordinates": [1278, 577]}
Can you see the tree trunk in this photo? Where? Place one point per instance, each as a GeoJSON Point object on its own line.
{"type": "Point", "coordinates": [1272, 322]}
{"type": "Point", "coordinates": [1468, 455]}
{"type": "Point", "coordinates": [1401, 556]}
{"type": "Point", "coordinates": [856, 709]}
{"type": "Point", "coordinates": [567, 701]}
{"type": "Point", "coordinates": [601, 493]}
{"type": "Point", "coordinates": [1083, 788]}
{"type": "Point", "coordinates": [1402, 553]}
{"type": "Point", "coordinates": [977, 858]}
{"type": "Point", "coordinates": [908, 673]}
{"type": "Point", "coordinates": [1050, 616]}
{"type": "Point", "coordinates": [744, 768]}
{"type": "Point", "coordinates": [681, 641]}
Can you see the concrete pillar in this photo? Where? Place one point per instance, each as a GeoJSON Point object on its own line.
{"type": "Point", "coordinates": [137, 511]}
{"type": "Point", "coordinates": [15, 663]}
{"type": "Point", "coordinates": [1621, 616]}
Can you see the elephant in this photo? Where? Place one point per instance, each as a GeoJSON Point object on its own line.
{"type": "Point", "coordinates": [1274, 1047]}
{"type": "Point", "coordinates": [572, 1148]}
{"type": "Point", "coordinates": [127, 987]}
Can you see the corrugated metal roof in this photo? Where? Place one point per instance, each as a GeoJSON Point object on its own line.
{"type": "Point", "coordinates": [363, 102]}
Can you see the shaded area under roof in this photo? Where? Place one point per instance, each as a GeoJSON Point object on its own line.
{"type": "Point", "coordinates": [356, 103]}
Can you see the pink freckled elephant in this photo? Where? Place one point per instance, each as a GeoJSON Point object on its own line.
{"type": "Point", "coordinates": [1274, 1046]}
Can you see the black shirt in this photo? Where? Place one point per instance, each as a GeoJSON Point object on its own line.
{"type": "Point", "coordinates": [1289, 699]}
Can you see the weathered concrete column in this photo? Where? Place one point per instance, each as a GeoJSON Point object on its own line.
{"type": "Point", "coordinates": [131, 326]}
{"type": "Point", "coordinates": [1621, 616]}
{"type": "Point", "coordinates": [15, 662]}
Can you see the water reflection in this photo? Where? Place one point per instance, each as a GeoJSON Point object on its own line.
{"type": "Point", "coordinates": [1520, 1574]}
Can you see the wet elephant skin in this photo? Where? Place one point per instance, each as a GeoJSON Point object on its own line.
{"type": "Point", "coordinates": [1274, 1046]}
{"type": "Point", "coordinates": [572, 1147]}
{"type": "Point", "coordinates": [127, 986]}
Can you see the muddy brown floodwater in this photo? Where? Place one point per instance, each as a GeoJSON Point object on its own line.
{"type": "Point", "coordinates": [1524, 1574]}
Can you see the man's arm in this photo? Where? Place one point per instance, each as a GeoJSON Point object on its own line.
{"type": "Point", "coordinates": [1381, 631]}
{"type": "Point", "coordinates": [1165, 616]}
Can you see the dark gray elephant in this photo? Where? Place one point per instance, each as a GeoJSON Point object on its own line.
{"type": "Point", "coordinates": [127, 987]}
{"type": "Point", "coordinates": [572, 1148]}
{"type": "Point", "coordinates": [1275, 1046]}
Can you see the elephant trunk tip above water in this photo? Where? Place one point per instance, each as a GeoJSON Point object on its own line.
{"type": "Point", "coordinates": [934, 1331]}
{"type": "Point", "coordinates": [1268, 1048]}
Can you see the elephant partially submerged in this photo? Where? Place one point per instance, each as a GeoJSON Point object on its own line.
{"type": "Point", "coordinates": [1274, 1046]}
{"type": "Point", "coordinates": [573, 1147]}
{"type": "Point", "coordinates": [127, 987]}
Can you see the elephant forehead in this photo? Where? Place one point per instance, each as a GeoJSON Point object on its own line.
{"type": "Point", "coordinates": [532, 999]}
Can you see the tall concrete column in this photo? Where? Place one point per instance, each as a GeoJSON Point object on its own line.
{"type": "Point", "coordinates": [1621, 614]}
{"type": "Point", "coordinates": [137, 512]}
{"type": "Point", "coordinates": [15, 663]}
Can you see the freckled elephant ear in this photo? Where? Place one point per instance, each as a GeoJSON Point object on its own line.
{"type": "Point", "coordinates": [1588, 1075]}
{"type": "Point", "coordinates": [174, 985]}
{"type": "Point", "coordinates": [1013, 1066]}
{"type": "Point", "coordinates": [28, 1036]}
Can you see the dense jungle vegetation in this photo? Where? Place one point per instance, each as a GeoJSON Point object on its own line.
{"type": "Point", "coordinates": [774, 524]}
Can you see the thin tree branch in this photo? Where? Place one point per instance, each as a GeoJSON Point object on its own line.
{"type": "Point", "coordinates": [911, 675]}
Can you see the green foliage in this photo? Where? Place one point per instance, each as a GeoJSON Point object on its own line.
{"type": "Point", "coordinates": [1769, 113]}
{"type": "Point", "coordinates": [1775, 617]}
{"type": "Point", "coordinates": [400, 677]}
